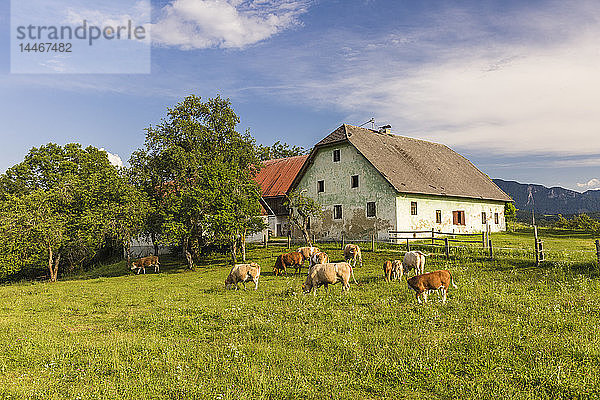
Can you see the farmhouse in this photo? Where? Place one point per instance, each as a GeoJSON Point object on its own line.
{"type": "Point", "coordinates": [371, 182]}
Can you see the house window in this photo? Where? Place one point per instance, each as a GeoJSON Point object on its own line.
{"type": "Point", "coordinates": [483, 218]}
{"type": "Point", "coordinates": [458, 217]}
{"type": "Point", "coordinates": [438, 216]}
{"type": "Point", "coordinates": [413, 208]}
{"type": "Point", "coordinates": [354, 181]}
{"type": "Point", "coordinates": [336, 155]}
{"type": "Point", "coordinates": [496, 219]}
{"type": "Point", "coordinates": [337, 212]}
{"type": "Point", "coordinates": [371, 209]}
{"type": "Point", "coordinates": [320, 186]}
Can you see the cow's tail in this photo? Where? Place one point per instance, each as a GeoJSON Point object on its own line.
{"type": "Point", "coordinates": [423, 254]}
{"type": "Point", "coordinates": [452, 281]}
{"type": "Point", "coordinates": [352, 273]}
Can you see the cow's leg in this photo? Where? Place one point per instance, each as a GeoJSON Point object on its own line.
{"type": "Point", "coordinates": [418, 296]}
{"type": "Point", "coordinates": [256, 284]}
{"type": "Point", "coordinates": [425, 294]}
{"type": "Point", "coordinates": [444, 291]}
{"type": "Point", "coordinates": [139, 269]}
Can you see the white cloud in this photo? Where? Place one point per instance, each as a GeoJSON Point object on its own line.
{"type": "Point", "coordinates": [199, 24]}
{"type": "Point", "coordinates": [114, 159]}
{"type": "Point", "coordinates": [592, 183]}
{"type": "Point", "coordinates": [531, 89]}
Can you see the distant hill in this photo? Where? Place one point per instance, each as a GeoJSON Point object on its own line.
{"type": "Point", "coordinates": [554, 200]}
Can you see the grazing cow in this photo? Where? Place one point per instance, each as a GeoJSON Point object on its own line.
{"type": "Point", "coordinates": [352, 254]}
{"type": "Point", "coordinates": [392, 270]}
{"type": "Point", "coordinates": [283, 261]}
{"type": "Point", "coordinates": [142, 263]}
{"type": "Point", "coordinates": [328, 274]}
{"type": "Point", "coordinates": [243, 273]}
{"type": "Point", "coordinates": [308, 252]}
{"type": "Point", "coordinates": [318, 258]}
{"type": "Point", "coordinates": [413, 260]}
{"type": "Point", "coordinates": [437, 280]}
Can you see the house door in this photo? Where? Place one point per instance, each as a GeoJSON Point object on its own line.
{"type": "Point", "coordinates": [279, 231]}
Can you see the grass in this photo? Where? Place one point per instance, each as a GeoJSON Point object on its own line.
{"type": "Point", "coordinates": [510, 330]}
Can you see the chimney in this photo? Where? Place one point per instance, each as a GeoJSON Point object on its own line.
{"type": "Point", "coordinates": [387, 129]}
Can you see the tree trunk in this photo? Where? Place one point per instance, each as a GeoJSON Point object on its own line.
{"type": "Point", "coordinates": [127, 250]}
{"type": "Point", "coordinates": [50, 263]}
{"type": "Point", "coordinates": [234, 250]}
{"type": "Point", "coordinates": [53, 263]}
{"type": "Point", "coordinates": [243, 243]}
{"type": "Point", "coordinates": [154, 243]}
{"type": "Point", "coordinates": [188, 255]}
{"type": "Point", "coordinates": [306, 235]}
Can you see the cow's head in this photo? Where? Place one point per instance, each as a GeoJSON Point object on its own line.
{"type": "Point", "coordinates": [307, 285]}
{"type": "Point", "coordinates": [228, 282]}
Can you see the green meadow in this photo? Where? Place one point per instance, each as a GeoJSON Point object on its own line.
{"type": "Point", "coordinates": [510, 331]}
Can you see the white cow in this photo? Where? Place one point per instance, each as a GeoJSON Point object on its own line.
{"type": "Point", "coordinates": [413, 260]}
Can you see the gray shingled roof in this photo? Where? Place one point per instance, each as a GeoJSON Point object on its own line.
{"type": "Point", "coordinates": [417, 166]}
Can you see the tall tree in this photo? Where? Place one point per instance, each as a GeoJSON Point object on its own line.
{"type": "Point", "coordinates": [63, 204]}
{"type": "Point", "coordinates": [200, 170]}
{"type": "Point", "coordinates": [279, 150]}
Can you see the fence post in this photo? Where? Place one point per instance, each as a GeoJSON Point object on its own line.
{"type": "Point", "coordinates": [407, 245]}
{"type": "Point", "coordinates": [289, 240]}
{"type": "Point", "coordinates": [491, 249]}
{"type": "Point", "coordinates": [343, 241]}
{"type": "Point", "coordinates": [432, 236]}
{"type": "Point", "coordinates": [537, 251]}
{"type": "Point", "coordinates": [598, 251]}
{"type": "Point", "coordinates": [447, 248]}
{"type": "Point", "coordinates": [313, 239]}
{"type": "Point", "coordinates": [266, 240]}
{"type": "Point", "coordinates": [483, 239]}
{"type": "Point", "coordinates": [373, 242]}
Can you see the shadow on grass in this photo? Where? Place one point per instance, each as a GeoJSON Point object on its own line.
{"type": "Point", "coordinates": [168, 265]}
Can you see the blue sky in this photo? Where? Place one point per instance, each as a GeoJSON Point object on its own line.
{"type": "Point", "coordinates": [511, 85]}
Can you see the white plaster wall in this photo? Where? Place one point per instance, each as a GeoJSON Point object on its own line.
{"type": "Point", "coordinates": [426, 211]}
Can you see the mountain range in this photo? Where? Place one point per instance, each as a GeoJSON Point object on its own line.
{"type": "Point", "coordinates": [553, 200]}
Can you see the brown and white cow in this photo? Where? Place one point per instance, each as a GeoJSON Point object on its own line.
{"type": "Point", "coordinates": [328, 274]}
{"type": "Point", "coordinates": [425, 283]}
{"type": "Point", "coordinates": [283, 261]}
{"type": "Point", "coordinates": [392, 270]}
{"type": "Point", "coordinates": [352, 254]}
{"type": "Point", "coordinates": [318, 258]}
{"type": "Point", "coordinates": [142, 263]}
{"type": "Point", "coordinates": [308, 252]}
{"type": "Point", "coordinates": [243, 273]}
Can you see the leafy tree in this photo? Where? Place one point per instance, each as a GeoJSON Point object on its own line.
{"type": "Point", "coordinates": [582, 222]}
{"type": "Point", "coordinates": [302, 208]}
{"type": "Point", "coordinates": [199, 169]}
{"type": "Point", "coordinates": [279, 150]}
{"type": "Point", "coordinates": [510, 213]}
{"type": "Point", "coordinates": [63, 204]}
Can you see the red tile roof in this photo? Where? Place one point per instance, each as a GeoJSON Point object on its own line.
{"type": "Point", "coordinates": [276, 177]}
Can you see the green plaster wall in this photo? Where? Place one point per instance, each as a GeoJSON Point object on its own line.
{"type": "Point", "coordinates": [338, 191]}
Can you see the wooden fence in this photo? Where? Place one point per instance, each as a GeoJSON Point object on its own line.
{"type": "Point", "coordinates": [482, 238]}
{"type": "Point", "coordinates": [446, 240]}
